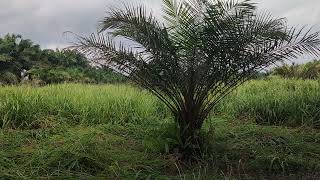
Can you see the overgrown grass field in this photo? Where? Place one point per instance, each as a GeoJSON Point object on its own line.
{"type": "Point", "coordinates": [267, 128]}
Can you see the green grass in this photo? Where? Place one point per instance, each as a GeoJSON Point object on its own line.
{"type": "Point", "coordinates": [27, 107]}
{"type": "Point", "coordinates": [78, 152]}
{"type": "Point", "coordinates": [74, 131]}
{"type": "Point", "coordinates": [292, 103]}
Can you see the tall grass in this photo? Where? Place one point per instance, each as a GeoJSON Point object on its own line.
{"type": "Point", "coordinates": [77, 104]}
{"type": "Point", "coordinates": [115, 132]}
{"type": "Point", "coordinates": [276, 102]}
{"type": "Point", "coordinates": [268, 102]}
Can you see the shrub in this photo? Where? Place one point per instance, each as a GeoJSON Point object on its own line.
{"type": "Point", "coordinates": [309, 70]}
{"type": "Point", "coordinates": [8, 78]}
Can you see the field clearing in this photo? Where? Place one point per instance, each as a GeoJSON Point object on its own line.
{"type": "Point", "coordinates": [119, 131]}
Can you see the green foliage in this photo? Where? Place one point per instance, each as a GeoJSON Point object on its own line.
{"type": "Point", "coordinates": [47, 66]}
{"type": "Point", "coordinates": [71, 66]}
{"type": "Point", "coordinates": [64, 58]}
{"type": "Point", "coordinates": [310, 70]}
{"type": "Point", "coordinates": [17, 53]}
{"type": "Point", "coordinates": [8, 78]}
{"type": "Point", "coordinates": [101, 75]}
{"type": "Point", "coordinates": [62, 75]}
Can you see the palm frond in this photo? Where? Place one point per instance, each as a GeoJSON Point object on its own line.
{"type": "Point", "coordinates": [103, 50]}
{"type": "Point", "coordinates": [136, 24]}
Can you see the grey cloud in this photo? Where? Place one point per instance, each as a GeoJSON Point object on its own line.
{"type": "Point", "coordinates": [44, 21]}
{"type": "Point", "coordinates": [298, 12]}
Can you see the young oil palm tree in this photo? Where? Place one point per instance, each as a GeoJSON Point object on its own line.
{"type": "Point", "coordinates": [200, 53]}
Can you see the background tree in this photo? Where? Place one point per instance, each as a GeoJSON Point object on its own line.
{"type": "Point", "coordinates": [202, 52]}
{"type": "Point", "coordinates": [17, 53]}
{"type": "Point", "coordinates": [47, 66]}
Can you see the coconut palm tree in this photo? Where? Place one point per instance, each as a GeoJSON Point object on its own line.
{"type": "Point", "coordinates": [199, 53]}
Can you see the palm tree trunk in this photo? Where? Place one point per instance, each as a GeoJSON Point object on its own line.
{"type": "Point", "coordinates": [190, 124]}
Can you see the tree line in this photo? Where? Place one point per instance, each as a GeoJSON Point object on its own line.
{"type": "Point", "coordinates": [21, 60]}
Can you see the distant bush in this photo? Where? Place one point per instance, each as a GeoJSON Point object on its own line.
{"type": "Point", "coordinates": [104, 76]}
{"type": "Point", "coordinates": [71, 66]}
{"type": "Point", "coordinates": [75, 75]}
{"type": "Point", "coordinates": [8, 78]}
{"type": "Point", "coordinates": [309, 70]}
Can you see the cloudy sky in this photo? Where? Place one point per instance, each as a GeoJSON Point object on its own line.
{"type": "Point", "coordinates": [45, 21]}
